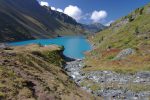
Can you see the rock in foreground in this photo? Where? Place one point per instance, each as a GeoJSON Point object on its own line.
{"type": "Point", "coordinates": [108, 84]}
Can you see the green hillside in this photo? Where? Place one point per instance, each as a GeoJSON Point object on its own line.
{"type": "Point", "coordinates": [131, 31]}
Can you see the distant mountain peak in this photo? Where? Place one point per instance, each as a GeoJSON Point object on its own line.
{"type": "Point", "coordinates": [94, 27]}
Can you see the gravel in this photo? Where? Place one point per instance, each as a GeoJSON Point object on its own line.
{"type": "Point", "coordinates": [74, 70]}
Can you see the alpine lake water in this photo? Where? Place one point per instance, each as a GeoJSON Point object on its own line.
{"type": "Point", "coordinates": [75, 46]}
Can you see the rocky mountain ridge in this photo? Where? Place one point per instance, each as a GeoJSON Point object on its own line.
{"type": "Point", "coordinates": [26, 19]}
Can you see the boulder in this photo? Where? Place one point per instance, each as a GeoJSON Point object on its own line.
{"type": "Point", "coordinates": [124, 53]}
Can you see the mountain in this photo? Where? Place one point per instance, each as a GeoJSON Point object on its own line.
{"type": "Point", "coordinates": [95, 27]}
{"type": "Point", "coordinates": [26, 19]}
{"type": "Point", "coordinates": [123, 47]}
{"type": "Point", "coordinates": [61, 16]}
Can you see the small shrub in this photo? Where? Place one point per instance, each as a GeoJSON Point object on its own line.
{"type": "Point", "coordinates": [110, 57]}
{"type": "Point", "coordinates": [62, 48]}
{"type": "Point", "coordinates": [137, 10]}
{"type": "Point", "coordinates": [141, 11]}
{"type": "Point", "coordinates": [137, 30]}
{"type": "Point", "coordinates": [2, 96]}
{"type": "Point", "coordinates": [130, 18]}
{"type": "Point", "coordinates": [95, 87]}
{"type": "Point", "coordinates": [40, 44]}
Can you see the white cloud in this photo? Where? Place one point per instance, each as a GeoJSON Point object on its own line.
{"type": "Point", "coordinates": [43, 3]}
{"type": "Point", "coordinates": [59, 10]}
{"type": "Point", "coordinates": [98, 15]}
{"type": "Point", "coordinates": [53, 8]}
{"type": "Point", "coordinates": [73, 11]}
{"type": "Point", "coordinates": [108, 24]}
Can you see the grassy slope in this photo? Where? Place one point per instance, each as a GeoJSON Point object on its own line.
{"type": "Point", "coordinates": [33, 72]}
{"type": "Point", "coordinates": [134, 33]}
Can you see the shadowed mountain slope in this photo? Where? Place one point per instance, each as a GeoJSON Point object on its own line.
{"type": "Point", "coordinates": [26, 19]}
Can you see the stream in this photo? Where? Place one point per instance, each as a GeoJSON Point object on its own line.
{"type": "Point", "coordinates": [106, 80]}
{"type": "Point", "coordinates": [107, 84]}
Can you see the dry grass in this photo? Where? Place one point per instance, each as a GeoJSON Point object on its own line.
{"type": "Point", "coordinates": [29, 75]}
{"type": "Point", "coordinates": [131, 64]}
{"type": "Point", "coordinates": [34, 47]}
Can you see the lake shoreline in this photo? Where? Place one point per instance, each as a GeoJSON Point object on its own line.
{"type": "Point", "coordinates": [75, 46]}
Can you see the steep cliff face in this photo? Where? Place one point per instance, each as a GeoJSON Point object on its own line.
{"type": "Point", "coordinates": [26, 19]}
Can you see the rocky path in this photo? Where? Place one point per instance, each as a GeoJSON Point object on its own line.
{"type": "Point", "coordinates": [110, 85]}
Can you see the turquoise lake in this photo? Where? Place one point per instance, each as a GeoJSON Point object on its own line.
{"type": "Point", "coordinates": [74, 46]}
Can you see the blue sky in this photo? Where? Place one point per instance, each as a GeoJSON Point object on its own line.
{"type": "Point", "coordinates": [88, 11]}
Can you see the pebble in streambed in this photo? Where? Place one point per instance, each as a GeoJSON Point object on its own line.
{"type": "Point", "coordinates": [74, 70]}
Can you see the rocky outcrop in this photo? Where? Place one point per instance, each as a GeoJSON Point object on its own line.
{"type": "Point", "coordinates": [115, 26]}
{"type": "Point", "coordinates": [3, 45]}
{"type": "Point", "coordinates": [124, 53]}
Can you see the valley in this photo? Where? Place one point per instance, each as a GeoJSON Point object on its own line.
{"type": "Point", "coordinates": [47, 54]}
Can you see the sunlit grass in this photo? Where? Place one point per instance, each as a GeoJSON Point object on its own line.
{"type": "Point", "coordinates": [132, 65]}
{"type": "Point", "coordinates": [108, 43]}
